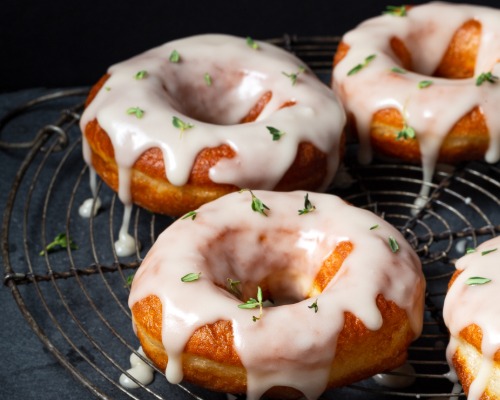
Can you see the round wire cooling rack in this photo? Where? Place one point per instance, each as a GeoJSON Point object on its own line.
{"type": "Point", "coordinates": [75, 299]}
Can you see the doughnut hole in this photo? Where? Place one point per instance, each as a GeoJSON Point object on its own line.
{"type": "Point", "coordinates": [288, 266]}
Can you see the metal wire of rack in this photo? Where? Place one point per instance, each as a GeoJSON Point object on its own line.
{"type": "Point", "coordinates": [75, 300]}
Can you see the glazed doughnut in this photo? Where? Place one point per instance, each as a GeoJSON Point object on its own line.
{"type": "Point", "coordinates": [171, 133]}
{"type": "Point", "coordinates": [471, 313]}
{"type": "Point", "coordinates": [422, 85]}
{"type": "Point", "coordinates": [347, 302]}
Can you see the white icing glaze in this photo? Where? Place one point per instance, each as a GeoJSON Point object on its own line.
{"type": "Point", "coordinates": [140, 370]}
{"type": "Point", "coordinates": [90, 207]}
{"type": "Point", "coordinates": [401, 377]}
{"type": "Point", "coordinates": [229, 240]}
{"type": "Point", "coordinates": [126, 244]}
{"type": "Point", "coordinates": [240, 76]}
{"type": "Point", "coordinates": [432, 111]}
{"type": "Point", "coordinates": [465, 305]}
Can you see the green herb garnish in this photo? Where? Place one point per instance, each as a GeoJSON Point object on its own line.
{"type": "Point", "coordinates": [477, 280]}
{"type": "Point", "coordinates": [257, 204]}
{"type": "Point", "coordinates": [180, 124]}
{"type": "Point", "coordinates": [252, 43]}
{"type": "Point", "coordinates": [141, 75]}
{"type": "Point", "coordinates": [399, 70]}
{"type": "Point", "coordinates": [406, 133]}
{"type": "Point", "coordinates": [253, 303]}
{"type": "Point", "coordinates": [129, 280]}
{"type": "Point", "coordinates": [276, 133]}
{"type": "Point", "coordinates": [308, 206]}
{"type": "Point", "coordinates": [398, 11]}
{"type": "Point", "coordinates": [138, 112]}
{"type": "Point", "coordinates": [470, 250]}
{"type": "Point", "coordinates": [424, 84]}
{"type": "Point", "coordinates": [294, 76]}
{"type": "Point", "coordinates": [191, 277]}
{"type": "Point", "coordinates": [208, 79]}
{"type": "Point", "coordinates": [61, 241]}
{"type": "Point", "coordinates": [483, 253]}
{"type": "Point", "coordinates": [373, 227]}
{"type": "Point", "coordinates": [314, 306]}
{"type": "Point", "coordinates": [359, 67]}
{"type": "Point", "coordinates": [393, 244]}
{"type": "Point", "coordinates": [190, 214]}
{"type": "Point", "coordinates": [234, 287]}
{"type": "Point", "coordinates": [175, 57]}
{"type": "Point", "coordinates": [486, 77]}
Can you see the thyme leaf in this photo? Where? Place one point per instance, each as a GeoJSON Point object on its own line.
{"type": "Point", "coordinates": [141, 75]}
{"type": "Point", "coordinates": [208, 79]}
{"type": "Point", "coordinates": [234, 287]}
{"type": "Point", "coordinates": [373, 227]}
{"type": "Point", "coordinates": [191, 277]}
{"type": "Point", "coordinates": [424, 84]}
{"type": "Point", "coordinates": [190, 214]}
{"type": "Point", "coordinates": [477, 280]}
{"type": "Point", "coordinates": [399, 70]}
{"type": "Point", "coordinates": [393, 244]}
{"type": "Point", "coordinates": [483, 253]}
{"type": "Point", "coordinates": [175, 57]}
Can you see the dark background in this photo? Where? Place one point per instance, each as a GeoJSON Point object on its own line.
{"type": "Point", "coordinates": [68, 43]}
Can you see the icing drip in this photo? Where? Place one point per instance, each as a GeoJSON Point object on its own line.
{"type": "Point", "coordinates": [239, 78]}
{"type": "Point", "coordinates": [401, 377]}
{"type": "Point", "coordinates": [140, 370]}
{"type": "Point", "coordinates": [90, 207]}
{"type": "Point", "coordinates": [291, 249]}
{"type": "Point", "coordinates": [474, 304]}
{"type": "Point", "coordinates": [428, 111]}
{"type": "Point", "coordinates": [126, 244]}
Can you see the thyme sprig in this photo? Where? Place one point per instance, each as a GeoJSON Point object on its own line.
{"type": "Point", "coordinates": [314, 306]}
{"type": "Point", "coordinates": [257, 204]}
{"type": "Point", "coordinates": [308, 206]}
{"type": "Point", "coordinates": [362, 65]}
{"type": "Point", "coordinates": [406, 133]}
{"type": "Point", "coordinates": [295, 75]}
{"type": "Point", "coordinates": [276, 133]}
{"type": "Point", "coordinates": [254, 303]}
{"type": "Point", "coordinates": [252, 43]}
{"type": "Point", "coordinates": [486, 77]}
{"type": "Point", "coordinates": [398, 11]}
{"type": "Point", "coordinates": [137, 111]}
{"type": "Point", "coordinates": [61, 241]}
{"type": "Point", "coordinates": [208, 79]}
{"type": "Point", "coordinates": [180, 124]}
